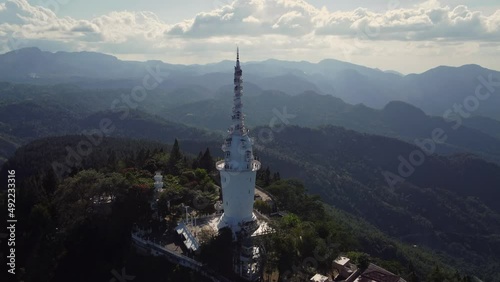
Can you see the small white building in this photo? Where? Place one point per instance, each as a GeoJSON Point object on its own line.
{"type": "Point", "coordinates": [320, 278]}
{"type": "Point", "coordinates": [344, 267]}
{"type": "Point", "coordinates": [158, 178]}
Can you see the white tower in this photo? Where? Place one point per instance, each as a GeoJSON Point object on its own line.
{"type": "Point", "coordinates": [239, 168]}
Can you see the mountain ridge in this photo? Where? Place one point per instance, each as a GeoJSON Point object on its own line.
{"type": "Point", "coordinates": [434, 91]}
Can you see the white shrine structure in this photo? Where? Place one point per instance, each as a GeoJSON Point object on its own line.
{"type": "Point", "coordinates": [239, 167]}
{"type": "Point", "coordinates": [158, 178]}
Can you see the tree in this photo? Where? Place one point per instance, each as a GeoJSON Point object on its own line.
{"type": "Point", "coordinates": [218, 251]}
{"type": "Point", "coordinates": [264, 177]}
{"type": "Point", "coordinates": [163, 205]}
{"type": "Point", "coordinates": [267, 177]}
{"type": "Point", "coordinates": [141, 156]}
{"type": "Point", "coordinates": [206, 234]}
{"type": "Point", "coordinates": [276, 177]}
{"type": "Point", "coordinates": [413, 277]}
{"type": "Point", "coordinates": [174, 158]}
{"type": "Point", "coordinates": [262, 206]}
{"type": "Point", "coordinates": [79, 197]}
{"type": "Point", "coordinates": [359, 258]}
{"type": "Point", "coordinates": [207, 162]}
{"type": "Point", "coordinates": [437, 275]}
{"type": "Point", "coordinates": [49, 182]}
{"type": "Point", "coordinates": [111, 158]}
{"type": "Point", "coordinates": [196, 162]}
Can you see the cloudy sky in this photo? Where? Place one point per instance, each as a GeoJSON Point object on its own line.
{"type": "Point", "coordinates": [403, 35]}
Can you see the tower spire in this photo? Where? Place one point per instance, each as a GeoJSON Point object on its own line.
{"type": "Point", "coordinates": [238, 125]}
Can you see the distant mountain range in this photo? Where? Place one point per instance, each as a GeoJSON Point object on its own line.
{"type": "Point", "coordinates": [396, 119]}
{"type": "Point", "coordinates": [434, 91]}
{"type": "Point", "coordinates": [62, 109]}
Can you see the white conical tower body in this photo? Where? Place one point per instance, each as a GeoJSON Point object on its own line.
{"type": "Point", "coordinates": [239, 168]}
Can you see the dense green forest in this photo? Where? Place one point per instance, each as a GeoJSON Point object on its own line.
{"type": "Point", "coordinates": [312, 234]}
{"type": "Point", "coordinates": [28, 112]}
{"type": "Point", "coordinates": [447, 204]}
{"type": "Point", "coordinates": [63, 236]}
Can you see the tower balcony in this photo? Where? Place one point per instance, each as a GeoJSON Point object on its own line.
{"type": "Point", "coordinates": [254, 165]}
{"type": "Point", "coordinates": [223, 165]}
{"type": "Point", "coordinates": [220, 165]}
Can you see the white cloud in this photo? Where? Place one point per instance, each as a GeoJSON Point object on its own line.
{"type": "Point", "coordinates": [251, 19]}
{"type": "Point", "coordinates": [28, 24]}
{"type": "Point", "coordinates": [426, 21]}
{"type": "Point", "coordinates": [271, 28]}
{"type": "Point", "coordinates": [431, 23]}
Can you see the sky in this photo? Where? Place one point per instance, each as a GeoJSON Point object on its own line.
{"type": "Point", "coordinates": [403, 35]}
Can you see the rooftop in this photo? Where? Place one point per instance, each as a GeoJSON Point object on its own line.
{"type": "Point", "coordinates": [320, 278]}
{"type": "Point", "coordinates": [190, 241]}
{"type": "Point", "coordinates": [375, 273]}
{"type": "Point", "coordinates": [342, 260]}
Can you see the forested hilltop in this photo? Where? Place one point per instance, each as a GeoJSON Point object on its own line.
{"type": "Point", "coordinates": [419, 233]}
